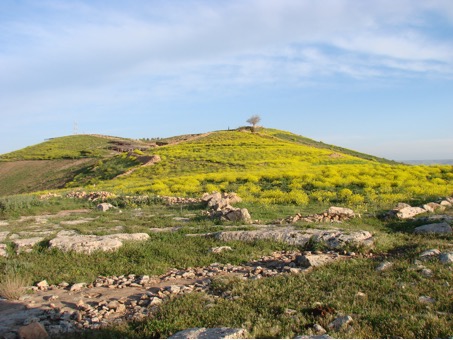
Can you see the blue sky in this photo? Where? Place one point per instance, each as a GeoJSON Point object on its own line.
{"type": "Point", "coordinates": [374, 76]}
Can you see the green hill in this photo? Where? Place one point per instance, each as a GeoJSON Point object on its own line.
{"type": "Point", "coordinates": [269, 166]}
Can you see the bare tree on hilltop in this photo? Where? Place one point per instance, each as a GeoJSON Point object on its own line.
{"type": "Point", "coordinates": [254, 120]}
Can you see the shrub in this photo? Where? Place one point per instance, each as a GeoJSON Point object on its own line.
{"type": "Point", "coordinates": [12, 286]}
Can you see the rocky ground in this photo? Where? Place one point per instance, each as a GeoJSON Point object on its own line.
{"type": "Point", "coordinates": [56, 309]}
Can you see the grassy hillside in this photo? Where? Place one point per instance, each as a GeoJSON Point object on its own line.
{"type": "Point", "coordinates": [29, 176]}
{"type": "Point", "coordinates": [73, 147]}
{"type": "Point", "coordinates": [267, 169]}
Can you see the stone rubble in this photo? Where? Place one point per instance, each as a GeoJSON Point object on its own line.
{"type": "Point", "coordinates": [91, 196]}
{"type": "Point", "coordinates": [332, 215]}
{"type": "Point", "coordinates": [157, 289]}
{"type": "Point", "coordinates": [220, 206]}
{"type": "Point", "coordinates": [405, 211]}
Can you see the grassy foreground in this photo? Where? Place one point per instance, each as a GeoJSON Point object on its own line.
{"type": "Point", "coordinates": [278, 307]}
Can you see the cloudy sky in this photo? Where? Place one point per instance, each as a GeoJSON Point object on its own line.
{"type": "Point", "coordinates": [374, 76]}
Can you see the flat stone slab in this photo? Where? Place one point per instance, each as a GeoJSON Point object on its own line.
{"type": "Point", "coordinates": [3, 235]}
{"type": "Point", "coordinates": [76, 222]}
{"type": "Point", "coordinates": [26, 244]}
{"type": "Point", "coordinates": [211, 333]}
{"type": "Point", "coordinates": [90, 243]}
{"type": "Point", "coordinates": [333, 239]}
{"type": "Point", "coordinates": [4, 223]}
{"type": "Point", "coordinates": [434, 228]}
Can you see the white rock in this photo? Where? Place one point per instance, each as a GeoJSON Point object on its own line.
{"type": "Point", "coordinates": [430, 252]}
{"type": "Point", "coordinates": [221, 249]}
{"type": "Point", "coordinates": [77, 287]}
{"type": "Point", "coordinates": [409, 212]}
{"type": "Point", "coordinates": [341, 211]}
{"type": "Point", "coordinates": [435, 228]}
{"type": "Point", "coordinates": [3, 251]}
{"type": "Point", "coordinates": [384, 266]}
{"type": "Point", "coordinates": [26, 244]}
{"type": "Point", "coordinates": [211, 333]}
{"type": "Point", "coordinates": [426, 299]}
{"type": "Point", "coordinates": [445, 203]}
{"type": "Point", "coordinates": [446, 258]}
{"type": "Point", "coordinates": [340, 322]}
{"type": "Point", "coordinates": [315, 260]}
{"type": "Point", "coordinates": [104, 206]}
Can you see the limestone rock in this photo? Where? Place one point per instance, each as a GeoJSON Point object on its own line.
{"type": "Point", "coordinates": [321, 336]}
{"type": "Point", "coordinates": [446, 258]}
{"type": "Point", "coordinates": [104, 206]}
{"type": "Point", "coordinates": [26, 244]}
{"type": "Point", "coordinates": [426, 300]}
{"type": "Point", "coordinates": [236, 215]}
{"type": "Point", "coordinates": [211, 333]}
{"type": "Point", "coordinates": [90, 243]}
{"type": "Point", "coordinates": [3, 235]}
{"type": "Point", "coordinates": [341, 211]}
{"type": "Point", "coordinates": [35, 330]}
{"type": "Point", "coordinates": [340, 322]}
{"type": "Point", "coordinates": [333, 239]}
{"type": "Point", "coordinates": [384, 266]}
{"type": "Point", "coordinates": [315, 260]}
{"type": "Point", "coordinates": [221, 249]}
{"type": "Point", "coordinates": [430, 252]}
{"type": "Point", "coordinates": [409, 212]}
{"type": "Point", "coordinates": [3, 251]}
{"type": "Point", "coordinates": [435, 228]}
{"type": "Point", "coordinates": [446, 203]}
{"type": "Point", "coordinates": [77, 287]}
{"type": "Point", "coordinates": [432, 207]}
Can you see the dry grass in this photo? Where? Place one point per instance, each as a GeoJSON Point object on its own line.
{"type": "Point", "coordinates": [12, 286]}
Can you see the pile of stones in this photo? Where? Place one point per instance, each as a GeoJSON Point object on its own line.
{"type": "Point", "coordinates": [170, 200]}
{"type": "Point", "coordinates": [405, 211]}
{"type": "Point", "coordinates": [91, 196]}
{"type": "Point", "coordinates": [220, 206]}
{"type": "Point", "coordinates": [49, 195]}
{"type": "Point", "coordinates": [333, 214]}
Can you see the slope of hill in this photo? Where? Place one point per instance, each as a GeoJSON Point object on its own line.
{"type": "Point", "coordinates": [29, 176]}
{"type": "Point", "coordinates": [270, 166]}
{"type": "Point", "coordinates": [76, 146]}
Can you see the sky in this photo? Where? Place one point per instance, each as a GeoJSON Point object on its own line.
{"type": "Point", "coordinates": [373, 76]}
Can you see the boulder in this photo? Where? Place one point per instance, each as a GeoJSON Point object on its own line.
{"type": "Point", "coordinates": [432, 207]}
{"type": "Point", "coordinates": [340, 322]}
{"type": "Point", "coordinates": [315, 260]}
{"type": "Point", "coordinates": [445, 203]}
{"type": "Point", "coordinates": [446, 258]}
{"type": "Point", "coordinates": [384, 266]}
{"type": "Point", "coordinates": [409, 212]}
{"type": "Point", "coordinates": [211, 333]}
{"type": "Point", "coordinates": [434, 228]}
{"type": "Point", "coordinates": [238, 215]}
{"type": "Point", "coordinates": [104, 206]}
{"type": "Point", "coordinates": [341, 211]}
{"type": "Point", "coordinates": [35, 330]}
{"type": "Point", "coordinates": [217, 250]}
{"type": "Point", "coordinates": [430, 253]}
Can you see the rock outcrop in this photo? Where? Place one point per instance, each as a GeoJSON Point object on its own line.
{"type": "Point", "coordinates": [90, 243]}
{"type": "Point", "coordinates": [434, 228]}
{"type": "Point", "coordinates": [211, 333]}
{"type": "Point", "coordinates": [333, 214]}
{"type": "Point", "coordinates": [332, 239]}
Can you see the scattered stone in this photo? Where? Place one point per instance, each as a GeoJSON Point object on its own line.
{"type": "Point", "coordinates": [426, 299]}
{"type": "Point", "coordinates": [322, 336]}
{"type": "Point", "coordinates": [34, 330]}
{"type": "Point", "coordinates": [340, 322]}
{"type": "Point", "coordinates": [430, 253]}
{"type": "Point", "coordinates": [104, 206]}
{"type": "Point", "coordinates": [211, 333]}
{"type": "Point", "coordinates": [446, 258]}
{"type": "Point", "coordinates": [42, 285]}
{"type": "Point", "coordinates": [221, 249]}
{"type": "Point", "coordinates": [315, 260]}
{"type": "Point", "coordinates": [3, 251]}
{"type": "Point", "coordinates": [318, 329]}
{"type": "Point", "coordinates": [425, 272]}
{"type": "Point", "coordinates": [27, 244]}
{"type": "Point", "coordinates": [384, 266]}
{"type": "Point", "coordinates": [409, 212]}
{"type": "Point", "coordinates": [432, 207]}
{"type": "Point", "coordinates": [77, 287]}
{"type": "Point", "coordinates": [360, 295]}
{"type": "Point", "coordinates": [3, 234]}
{"type": "Point", "coordinates": [446, 203]}
{"type": "Point", "coordinates": [434, 228]}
